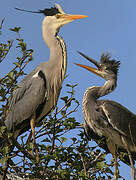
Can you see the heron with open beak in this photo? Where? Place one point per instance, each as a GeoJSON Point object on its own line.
{"type": "Point", "coordinates": [108, 118]}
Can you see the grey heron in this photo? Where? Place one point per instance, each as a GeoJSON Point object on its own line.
{"type": "Point", "coordinates": [106, 117]}
{"type": "Point", "coordinates": [37, 94]}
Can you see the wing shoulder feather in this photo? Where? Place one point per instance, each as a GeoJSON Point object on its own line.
{"type": "Point", "coordinates": [26, 98]}
{"type": "Point", "coordinates": [119, 117]}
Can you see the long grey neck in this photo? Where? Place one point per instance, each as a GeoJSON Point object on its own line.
{"type": "Point", "coordinates": [57, 61]}
{"type": "Point", "coordinates": [95, 92]}
{"type": "Point", "coordinates": [58, 52]}
{"type": "Point", "coordinates": [108, 87]}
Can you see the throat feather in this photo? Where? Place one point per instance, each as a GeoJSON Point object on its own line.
{"type": "Point", "coordinates": [64, 57]}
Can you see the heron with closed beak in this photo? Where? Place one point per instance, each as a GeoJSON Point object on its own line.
{"type": "Point", "coordinates": [37, 94]}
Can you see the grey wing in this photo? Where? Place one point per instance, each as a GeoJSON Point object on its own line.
{"type": "Point", "coordinates": [29, 94]}
{"type": "Point", "coordinates": [120, 118]}
{"type": "Point", "coordinates": [94, 119]}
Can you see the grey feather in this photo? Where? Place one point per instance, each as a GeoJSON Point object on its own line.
{"type": "Point", "coordinates": [37, 94]}
{"type": "Point", "coordinates": [127, 122]}
{"type": "Point", "coordinates": [29, 94]}
{"type": "Point", "coordinates": [109, 119]}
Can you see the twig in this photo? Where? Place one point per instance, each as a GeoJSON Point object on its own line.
{"type": "Point", "coordinates": [57, 120]}
{"type": "Point", "coordinates": [16, 169]}
{"type": "Point", "coordinates": [14, 142]}
{"type": "Point", "coordinates": [84, 164]}
{"type": "Point", "coordinates": [28, 155]}
{"type": "Point", "coordinates": [93, 162]}
{"type": "Point", "coordinates": [68, 112]}
{"type": "Point", "coordinates": [5, 170]}
{"type": "Point", "coordinates": [9, 47]}
{"type": "Point", "coordinates": [17, 67]}
{"type": "Point", "coordinates": [65, 105]}
{"type": "Point", "coordinates": [54, 128]}
{"type": "Point", "coordinates": [2, 21]}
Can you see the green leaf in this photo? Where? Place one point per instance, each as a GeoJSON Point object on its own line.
{"type": "Point", "coordinates": [16, 29]}
{"type": "Point", "coordinates": [2, 129]}
{"type": "Point", "coordinates": [63, 139]}
{"type": "Point", "coordinates": [23, 45]}
{"type": "Point", "coordinates": [11, 75]}
{"type": "Point", "coordinates": [74, 139]}
{"type": "Point", "coordinates": [68, 85]}
{"type": "Point", "coordinates": [46, 140]}
{"type": "Point", "coordinates": [63, 113]}
{"type": "Point", "coordinates": [6, 150]}
{"type": "Point", "coordinates": [101, 164]}
{"type": "Point", "coordinates": [17, 64]}
{"type": "Point", "coordinates": [30, 146]}
{"type": "Point", "coordinates": [3, 160]}
{"type": "Point", "coordinates": [10, 135]}
{"type": "Point", "coordinates": [65, 99]}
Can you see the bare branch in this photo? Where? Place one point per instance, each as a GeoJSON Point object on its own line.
{"type": "Point", "coordinates": [22, 149]}
{"type": "Point", "coordinates": [2, 21]}
{"type": "Point", "coordinates": [84, 164]}
{"type": "Point", "coordinates": [93, 162]}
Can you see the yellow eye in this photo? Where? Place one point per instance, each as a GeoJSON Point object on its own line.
{"type": "Point", "coordinates": [104, 67]}
{"type": "Point", "coordinates": [58, 16]}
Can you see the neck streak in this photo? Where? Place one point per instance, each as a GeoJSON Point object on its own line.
{"type": "Point", "coordinates": [98, 91]}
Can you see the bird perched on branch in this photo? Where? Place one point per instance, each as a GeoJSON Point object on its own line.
{"type": "Point", "coordinates": [108, 118]}
{"type": "Point", "coordinates": [37, 94]}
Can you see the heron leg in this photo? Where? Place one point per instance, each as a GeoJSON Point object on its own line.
{"type": "Point", "coordinates": [133, 174]}
{"type": "Point", "coordinates": [28, 141]}
{"type": "Point", "coordinates": [113, 149]}
{"type": "Point", "coordinates": [116, 173]}
{"type": "Point", "coordinates": [32, 124]}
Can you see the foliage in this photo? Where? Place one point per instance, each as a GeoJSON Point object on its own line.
{"type": "Point", "coordinates": [64, 151]}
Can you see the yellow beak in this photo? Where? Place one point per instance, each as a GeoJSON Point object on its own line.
{"type": "Point", "coordinates": [93, 70]}
{"type": "Point", "coordinates": [73, 17]}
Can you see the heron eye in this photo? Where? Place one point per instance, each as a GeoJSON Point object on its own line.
{"type": "Point", "coordinates": [104, 67]}
{"type": "Point", "coordinates": [58, 16]}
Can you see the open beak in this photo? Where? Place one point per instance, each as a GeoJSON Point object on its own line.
{"type": "Point", "coordinates": [93, 70]}
{"type": "Point", "coordinates": [98, 71]}
{"type": "Point", "coordinates": [72, 17]}
{"type": "Point", "coordinates": [90, 60]}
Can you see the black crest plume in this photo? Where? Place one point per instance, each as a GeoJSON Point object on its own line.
{"type": "Point", "coordinates": [47, 11]}
{"type": "Point", "coordinates": [111, 64]}
{"type": "Point", "coordinates": [50, 12]}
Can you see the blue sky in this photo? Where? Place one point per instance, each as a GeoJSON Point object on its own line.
{"type": "Point", "coordinates": [110, 27]}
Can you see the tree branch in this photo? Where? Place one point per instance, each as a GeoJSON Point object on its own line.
{"type": "Point", "coordinates": [2, 21]}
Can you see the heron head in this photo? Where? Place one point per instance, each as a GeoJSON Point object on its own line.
{"type": "Point", "coordinates": [107, 68]}
{"type": "Point", "coordinates": [56, 17]}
